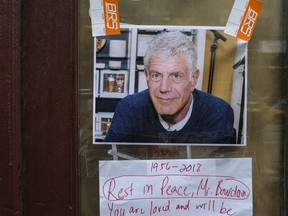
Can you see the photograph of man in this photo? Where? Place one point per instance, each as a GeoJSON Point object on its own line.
{"type": "Point", "coordinates": [172, 110]}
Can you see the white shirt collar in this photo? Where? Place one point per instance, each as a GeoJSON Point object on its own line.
{"type": "Point", "coordinates": [180, 124]}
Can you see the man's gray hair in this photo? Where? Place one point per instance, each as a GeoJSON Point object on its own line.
{"type": "Point", "coordinates": [169, 44]}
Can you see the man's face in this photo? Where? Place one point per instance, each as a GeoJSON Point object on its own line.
{"type": "Point", "coordinates": [170, 85]}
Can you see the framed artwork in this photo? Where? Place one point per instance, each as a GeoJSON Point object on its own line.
{"type": "Point", "coordinates": [102, 124]}
{"type": "Point", "coordinates": [113, 84]}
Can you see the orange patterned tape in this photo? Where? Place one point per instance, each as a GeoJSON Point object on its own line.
{"type": "Point", "coordinates": [111, 17]}
{"type": "Point", "coordinates": [249, 19]}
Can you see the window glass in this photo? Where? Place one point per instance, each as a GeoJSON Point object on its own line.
{"type": "Point", "coordinates": [266, 98]}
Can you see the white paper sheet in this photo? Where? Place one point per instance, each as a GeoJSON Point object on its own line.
{"type": "Point", "coordinates": [202, 187]}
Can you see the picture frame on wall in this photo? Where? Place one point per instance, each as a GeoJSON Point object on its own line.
{"type": "Point", "coordinates": [113, 84]}
{"type": "Point", "coordinates": [102, 124]}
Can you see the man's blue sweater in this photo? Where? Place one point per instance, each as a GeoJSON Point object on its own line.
{"type": "Point", "coordinates": [136, 120]}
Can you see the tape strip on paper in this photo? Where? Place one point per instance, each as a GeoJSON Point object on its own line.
{"type": "Point", "coordinates": [243, 18]}
{"type": "Point", "coordinates": [105, 19]}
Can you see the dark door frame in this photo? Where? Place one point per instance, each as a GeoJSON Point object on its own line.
{"type": "Point", "coordinates": [10, 126]}
{"type": "Point", "coordinates": [38, 109]}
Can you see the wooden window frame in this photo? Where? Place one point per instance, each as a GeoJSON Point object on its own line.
{"type": "Point", "coordinates": [39, 106]}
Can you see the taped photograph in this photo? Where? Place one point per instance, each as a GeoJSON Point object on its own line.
{"type": "Point", "coordinates": [170, 84]}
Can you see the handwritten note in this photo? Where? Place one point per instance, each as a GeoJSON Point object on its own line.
{"type": "Point", "coordinates": [203, 187]}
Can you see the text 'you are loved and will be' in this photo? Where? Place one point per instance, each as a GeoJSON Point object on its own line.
{"type": "Point", "coordinates": [174, 189]}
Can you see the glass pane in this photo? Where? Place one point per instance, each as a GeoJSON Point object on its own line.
{"type": "Point", "coordinates": [267, 98]}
